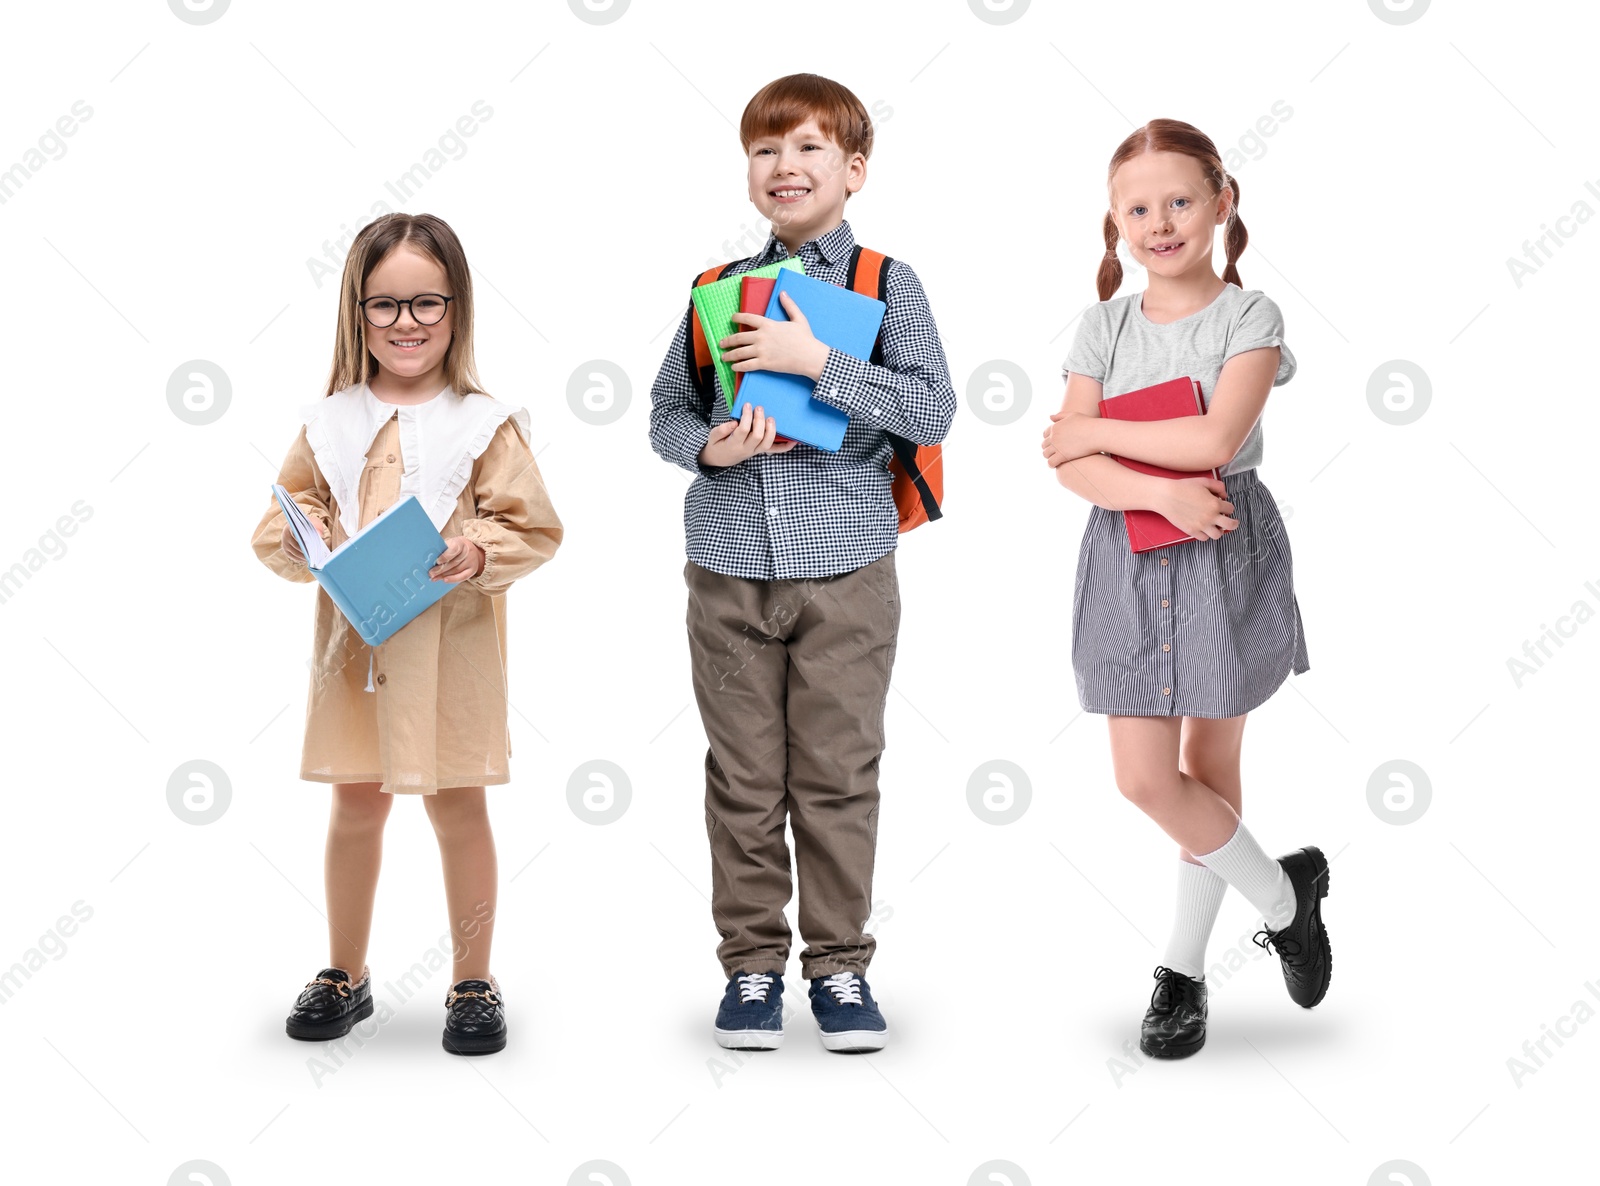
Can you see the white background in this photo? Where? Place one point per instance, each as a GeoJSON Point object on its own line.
{"type": "Point", "coordinates": [176, 224]}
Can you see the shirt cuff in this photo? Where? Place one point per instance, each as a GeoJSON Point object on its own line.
{"type": "Point", "coordinates": [709, 472]}
{"type": "Point", "coordinates": [487, 576]}
{"type": "Point", "coordinates": [840, 383]}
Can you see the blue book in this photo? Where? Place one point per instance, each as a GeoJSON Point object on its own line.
{"type": "Point", "coordinates": [379, 576]}
{"type": "Point", "coordinates": [840, 318]}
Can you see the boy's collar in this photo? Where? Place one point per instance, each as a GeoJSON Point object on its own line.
{"type": "Point", "coordinates": [836, 245]}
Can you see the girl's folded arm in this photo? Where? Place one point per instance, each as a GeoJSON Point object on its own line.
{"type": "Point", "coordinates": [516, 526]}
{"type": "Point", "coordinates": [306, 485]}
{"type": "Point", "coordinates": [1199, 442]}
{"type": "Point", "coordinates": [1097, 478]}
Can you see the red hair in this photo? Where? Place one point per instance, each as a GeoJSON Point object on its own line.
{"type": "Point", "coordinates": [1172, 135]}
{"type": "Point", "coordinates": [786, 103]}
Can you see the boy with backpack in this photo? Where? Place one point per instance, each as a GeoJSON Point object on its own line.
{"type": "Point", "coordinates": [794, 606]}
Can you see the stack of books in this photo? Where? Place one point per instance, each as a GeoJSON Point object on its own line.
{"type": "Point", "coordinates": [839, 318]}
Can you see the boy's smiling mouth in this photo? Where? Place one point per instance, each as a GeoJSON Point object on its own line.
{"type": "Point", "coordinates": [789, 193]}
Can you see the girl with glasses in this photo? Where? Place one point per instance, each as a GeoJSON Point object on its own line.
{"type": "Point", "coordinates": [423, 713]}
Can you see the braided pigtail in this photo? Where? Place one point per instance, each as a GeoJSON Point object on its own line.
{"type": "Point", "coordinates": [1109, 278]}
{"type": "Point", "coordinates": [1237, 237]}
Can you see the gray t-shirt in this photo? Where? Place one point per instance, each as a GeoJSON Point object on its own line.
{"type": "Point", "coordinates": [1122, 348]}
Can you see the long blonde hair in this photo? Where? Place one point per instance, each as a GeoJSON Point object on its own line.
{"type": "Point", "coordinates": [352, 362]}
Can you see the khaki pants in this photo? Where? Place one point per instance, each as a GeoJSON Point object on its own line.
{"type": "Point", "coordinates": [792, 677]}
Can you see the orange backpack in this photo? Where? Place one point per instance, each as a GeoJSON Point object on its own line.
{"type": "Point", "coordinates": [918, 470]}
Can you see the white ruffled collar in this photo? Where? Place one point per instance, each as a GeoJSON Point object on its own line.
{"type": "Point", "coordinates": [439, 441]}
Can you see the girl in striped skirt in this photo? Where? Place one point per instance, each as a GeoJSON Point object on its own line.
{"type": "Point", "coordinates": [1177, 644]}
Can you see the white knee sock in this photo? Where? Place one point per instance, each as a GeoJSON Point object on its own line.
{"type": "Point", "coordinates": [1200, 893]}
{"type": "Point", "coordinates": [1260, 878]}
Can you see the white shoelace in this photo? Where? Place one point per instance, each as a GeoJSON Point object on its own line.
{"type": "Point", "coordinates": [845, 986]}
{"type": "Point", "coordinates": [754, 986]}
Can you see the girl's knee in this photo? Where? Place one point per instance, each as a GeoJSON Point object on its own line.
{"type": "Point", "coordinates": [1147, 791]}
{"type": "Point", "coordinates": [361, 804]}
{"type": "Point", "coordinates": [1216, 778]}
{"type": "Point", "coordinates": [457, 808]}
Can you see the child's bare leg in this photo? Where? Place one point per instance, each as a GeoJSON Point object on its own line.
{"type": "Point", "coordinates": [1209, 753]}
{"type": "Point", "coordinates": [1144, 754]}
{"type": "Point", "coordinates": [460, 818]}
{"type": "Point", "coordinates": [350, 870]}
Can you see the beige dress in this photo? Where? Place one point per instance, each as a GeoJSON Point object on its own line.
{"type": "Point", "coordinates": [436, 714]}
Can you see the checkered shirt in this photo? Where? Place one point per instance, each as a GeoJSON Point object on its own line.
{"type": "Point", "coordinates": [807, 512]}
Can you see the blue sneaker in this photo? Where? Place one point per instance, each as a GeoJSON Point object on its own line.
{"type": "Point", "coordinates": [846, 1013]}
{"type": "Point", "coordinates": [751, 1014]}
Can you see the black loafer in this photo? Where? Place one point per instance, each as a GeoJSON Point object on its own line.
{"type": "Point", "coordinates": [1175, 1024]}
{"type": "Point", "coordinates": [330, 1005]}
{"type": "Point", "coordinates": [1303, 946]}
{"type": "Point", "coordinates": [476, 1024]}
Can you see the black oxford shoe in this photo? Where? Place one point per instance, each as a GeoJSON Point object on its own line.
{"type": "Point", "coordinates": [330, 1005]}
{"type": "Point", "coordinates": [476, 1023]}
{"type": "Point", "coordinates": [1303, 946]}
{"type": "Point", "coordinates": [1175, 1024]}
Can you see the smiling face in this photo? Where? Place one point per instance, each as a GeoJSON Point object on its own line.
{"type": "Point", "coordinates": [408, 351]}
{"type": "Point", "coordinates": [799, 181]}
{"type": "Point", "coordinates": [1166, 213]}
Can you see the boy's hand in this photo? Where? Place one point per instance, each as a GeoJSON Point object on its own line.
{"type": "Point", "coordinates": [1067, 438]}
{"type": "Point", "coordinates": [734, 440]}
{"type": "Point", "coordinates": [772, 345]}
{"type": "Point", "coordinates": [460, 559]}
{"type": "Point", "coordinates": [1198, 506]}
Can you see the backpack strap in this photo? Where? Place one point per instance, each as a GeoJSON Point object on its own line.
{"type": "Point", "coordinates": [869, 275]}
{"type": "Point", "coordinates": [905, 452]}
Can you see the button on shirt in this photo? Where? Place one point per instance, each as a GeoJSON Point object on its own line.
{"type": "Point", "coordinates": [807, 512]}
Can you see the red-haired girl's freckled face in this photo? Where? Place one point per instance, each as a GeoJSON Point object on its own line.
{"type": "Point", "coordinates": [409, 348]}
{"type": "Point", "coordinates": [1164, 211]}
{"type": "Point", "coordinates": [799, 181]}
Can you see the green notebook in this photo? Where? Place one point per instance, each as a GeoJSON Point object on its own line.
{"type": "Point", "coordinates": [717, 302]}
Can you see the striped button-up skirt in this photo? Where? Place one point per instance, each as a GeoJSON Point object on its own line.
{"type": "Point", "coordinates": [1207, 628]}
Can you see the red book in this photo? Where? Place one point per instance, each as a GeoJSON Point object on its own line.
{"type": "Point", "coordinates": [1148, 530]}
{"type": "Point", "coordinates": [754, 293]}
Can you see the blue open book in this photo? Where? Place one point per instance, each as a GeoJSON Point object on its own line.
{"type": "Point", "coordinates": [379, 576]}
{"type": "Point", "coordinates": [840, 318]}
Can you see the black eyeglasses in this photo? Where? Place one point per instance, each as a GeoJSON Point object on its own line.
{"type": "Point", "coordinates": [427, 308]}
